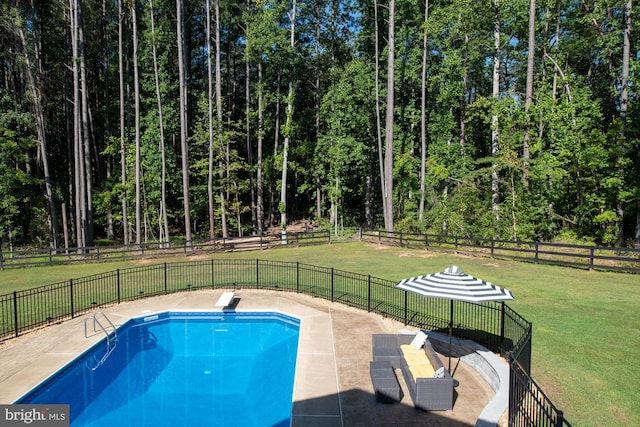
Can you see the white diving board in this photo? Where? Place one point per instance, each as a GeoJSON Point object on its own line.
{"type": "Point", "coordinates": [225, 299]}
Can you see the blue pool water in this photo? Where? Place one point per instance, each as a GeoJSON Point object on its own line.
{"type": "Point", "coordinates": [184, 369]}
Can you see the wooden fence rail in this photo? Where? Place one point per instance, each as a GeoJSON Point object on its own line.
{"type": "Point", "coordinates": [580, 256]}
{"type": "Point", "coordinates": [35, 257]}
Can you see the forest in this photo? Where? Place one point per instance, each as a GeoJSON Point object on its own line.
{"type": "Point", "coordinates": [150, 120]}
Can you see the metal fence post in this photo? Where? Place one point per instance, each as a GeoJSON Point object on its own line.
{"type": "Point", "coordinates": [213, 275]}
{"type": "Point", "coordinates": [15, 312]}
{"type": "Point", "coordinates": [332, 283]}
{"type": "Point", "coordinates": [257, 273]}
{"type": "Point", "coordinates": [71, 297]}
{"type": "Point", "coordinates": [165, 277]}
{"type": "Point", "coordinates": [560, 419]}
{"type": "Point", "coordinates": [118, 284]}
{"type": "Point", "coordinates": [502, 326]}
{"type": "Point", "coordinates": [369, 293]}
{"type": "Point", "coordinates": [297, 276]}
{"type": "Point", "coordinates": [405, 308]}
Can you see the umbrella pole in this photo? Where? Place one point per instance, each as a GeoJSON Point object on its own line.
{"type": "Point", "coordinates": [450, 332]}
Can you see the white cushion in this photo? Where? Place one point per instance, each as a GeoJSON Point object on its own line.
{"type": "Point", "coordinates": [439, 373]}
{"type": "Point", "coordinates": [419, 340]}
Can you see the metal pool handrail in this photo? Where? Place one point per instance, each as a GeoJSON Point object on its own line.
{"type": "Point", "coordinates": [111, 337]}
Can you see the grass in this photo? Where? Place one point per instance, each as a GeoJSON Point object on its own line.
{"type": "Point", "coordinates": [586, 332]}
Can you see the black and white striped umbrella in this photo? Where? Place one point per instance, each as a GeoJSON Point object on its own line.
{"type": "Point", "coordinates": [453, 284]}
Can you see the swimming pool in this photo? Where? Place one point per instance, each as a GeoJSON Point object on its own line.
{"type": "Point", "coordinates": [183, 369]}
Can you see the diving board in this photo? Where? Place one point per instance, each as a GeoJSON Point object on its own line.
{"type": "Point", "coordinates": [225, 299]}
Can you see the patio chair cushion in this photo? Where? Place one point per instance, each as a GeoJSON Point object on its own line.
{"type": "Point", "coordinates": [417, 361]}
{"type": "Point", "coordinates": [407, 349]}
{"type": "Point", "coordinates": [422, 370]}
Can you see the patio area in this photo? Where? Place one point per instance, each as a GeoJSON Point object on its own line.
{"type": "Point", "coordinates": [332, 387]}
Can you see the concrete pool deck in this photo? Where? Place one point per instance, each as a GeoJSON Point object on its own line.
{"type": "Point", "coordinates": [332, 384]}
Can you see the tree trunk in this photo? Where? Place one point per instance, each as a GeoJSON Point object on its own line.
{"type": "Point", "coordinates": [250, 160]}
{"type": "Point", "coordinates": [183, 121]}
{"type": "Point", "coordinates": [78, 174]}
{"type": "Point", "coordinates": [423, 114]}
{"type": "Point", "coordinates": [86, 132]}
{"type": "Point", "coordinates": [106, 54]}
{"type": "Point", "coordinates": [495, 195]}
{"type": "Point", "coordinates": [624, 105]}
{"type": "Point", "coordinates": [210, 95]}
{"type": "Point", "coordinates": [388, 152]}
{"type": "Point", "coordinates": [136, 120]}
{"type": "Point", "coordinates": [164, 226]}
{"type": "Point", "coordinates": [529, 92]}
{"type": "Point", "coordinates": [463, 97]}
{"type": "Point", "coordinates": [223, 207]}
{"type": "Point", "coordinates": [42, 139]}
{"type": "Point", "coordinates": [282, 207]}
{"type": "Point", "coordinates": [318, 95]}
{"type": "Point", "coordinates": [260, 191]}
{"type": "Point", "coordinates": [123, 153]}
{"type": "Point", "coordinates": [378, 118]}
{"type": "Point", "coordinates": [287, 135]}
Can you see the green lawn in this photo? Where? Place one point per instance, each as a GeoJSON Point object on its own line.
{"type": "Point", "coordinates": [586, 330]}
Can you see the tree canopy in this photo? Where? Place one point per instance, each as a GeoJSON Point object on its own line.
{"type": "Point", "coordinates": [136, 121]}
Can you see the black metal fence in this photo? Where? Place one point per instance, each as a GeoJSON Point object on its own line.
{"type": "Point", "coordinates": [494, 325]}
{"type": "Point", "coordinates": [581, 256]}
{"type": "Point", "coordinates": [528, 405]}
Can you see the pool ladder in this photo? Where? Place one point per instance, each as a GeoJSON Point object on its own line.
{"type": "Point", "coordinates": [102, 323]}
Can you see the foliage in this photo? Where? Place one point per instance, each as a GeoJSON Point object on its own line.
{"type": "Point", "coordinates": [580, 176]}
{"type": "Point", "coordinates": [18, 204]}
